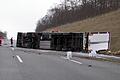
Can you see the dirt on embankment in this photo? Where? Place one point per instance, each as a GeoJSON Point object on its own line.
{"type": "Point", "coordinates": [107, 22]}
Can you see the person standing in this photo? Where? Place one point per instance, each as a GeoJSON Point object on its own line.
{"type": "Point", "coordinates": [0, 42]}
{"type": "Point", "coordinates": [11, 40]}
{"type": "Point", "coordinates": [1, 38]}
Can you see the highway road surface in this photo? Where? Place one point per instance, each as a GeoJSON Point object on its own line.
{"type": "Point", "coordinates": [21, 65]}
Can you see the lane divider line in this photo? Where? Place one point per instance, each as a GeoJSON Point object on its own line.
{"type": "Point", "coordinates": [72, 60]}
{"type": "Point", "coordinates": [20, 60]}
{"type": "Point", "coordinates": [76, 61]}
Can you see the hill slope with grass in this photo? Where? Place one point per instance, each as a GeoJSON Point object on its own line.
{"type": "Point", "coordinates": [107, 22]}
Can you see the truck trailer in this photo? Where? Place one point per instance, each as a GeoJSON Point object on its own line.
{"type": "Point", "coordinates": [71, 41]}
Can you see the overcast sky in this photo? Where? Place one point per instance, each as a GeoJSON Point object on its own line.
{"type": "Point", "coordinates": [22, 15]}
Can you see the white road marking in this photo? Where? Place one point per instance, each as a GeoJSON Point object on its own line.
{"type": "Point", "coordinates": [19, 58]}
{"type": "Point", "coordinates": [72, 60]}
{"type": "Point", "coordinates": [76, 61]}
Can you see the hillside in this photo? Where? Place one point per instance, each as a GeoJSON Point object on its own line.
{"type": "Point", "coordinates": [107, 22]}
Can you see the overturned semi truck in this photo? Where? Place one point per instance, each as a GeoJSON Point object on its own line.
{"type": "Point", "coordinates": [73, 41]}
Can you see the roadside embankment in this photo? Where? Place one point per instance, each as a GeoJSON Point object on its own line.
{"type": "Point", "coordinates": [100, 57]}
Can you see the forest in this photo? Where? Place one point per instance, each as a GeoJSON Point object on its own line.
{"type": "Point", "coordinates": [69, 11]}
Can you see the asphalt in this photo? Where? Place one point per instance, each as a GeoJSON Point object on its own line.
{"type": "Point", "coordinates": [32, 66]}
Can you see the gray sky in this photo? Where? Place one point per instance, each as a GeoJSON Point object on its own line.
{"type": "Point", "coordinates": [22, 15]}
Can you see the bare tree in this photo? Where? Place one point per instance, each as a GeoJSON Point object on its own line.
{"type": "Point", "coordinates": [73, 10]}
